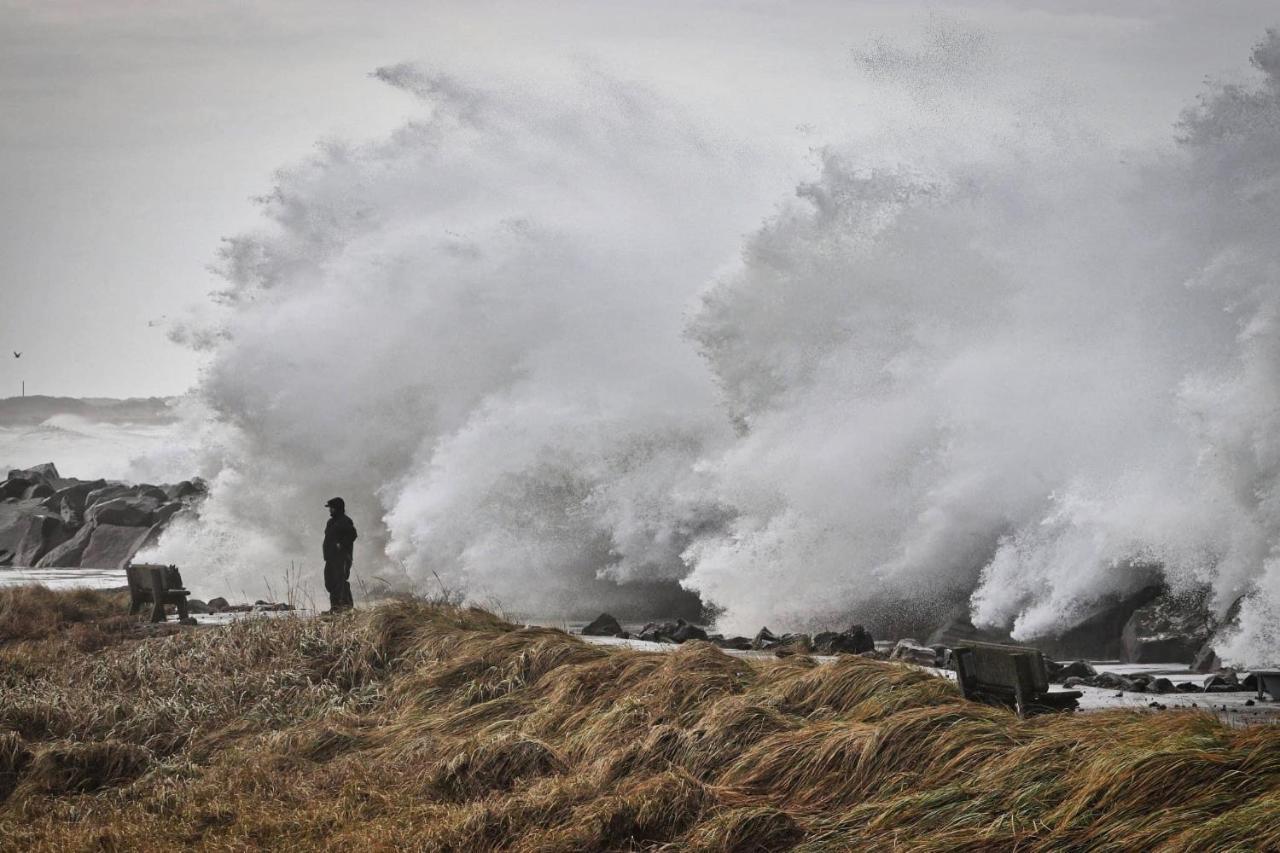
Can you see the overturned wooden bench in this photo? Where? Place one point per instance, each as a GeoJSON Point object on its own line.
{"type": "Point", "coordinates": [1010, 675]}
{"type": "Point", "coordinates": [156, 585]}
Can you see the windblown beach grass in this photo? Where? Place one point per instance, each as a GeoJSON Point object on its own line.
{"type": "Point", "coordinates": [423, 726]}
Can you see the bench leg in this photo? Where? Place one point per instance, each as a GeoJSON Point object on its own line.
{"type": "Point", "coordinates": [182, 608]}
{"type": "Point", "coordinates": [157, 597]}
{"type": "Point", "coordinates": [1023, 684]}
{"type": "Point", "coordinates": [960, 658]}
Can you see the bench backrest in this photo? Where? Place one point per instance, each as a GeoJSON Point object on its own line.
{"type": "Point", "coordinates": [996, 665]}
{"type": "Point", "coordinates": [139, 576]}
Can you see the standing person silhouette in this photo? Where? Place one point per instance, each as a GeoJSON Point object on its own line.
{"type": "Point", "coordinates": [339, 539]}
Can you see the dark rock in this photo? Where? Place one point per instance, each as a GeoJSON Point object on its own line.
{"type": "Point", "coordinates": [1206, 659]}
{"type": "Point", "coordinates": [959, 630]}
{"type": "Point", "coordinates": [44, 471]}
{"type": "Point", "coordinates": [741, 644]}
{"type": "Point", "coordinates": [146, 490]}
{"type": "Point", "coordinates": [793, 644]}
{"type": "Point", "coordinates": [855, 640]}
{"type": "Point", "coordinates": [912, 652]}
{"type": "Point", "coordinates": [1113, 681]}
{"type": "Point", "coordinates": [68, 554]}
{"type": "Point", "coordinates": [1161, 685]}
{"type": "Point", "coordinates": [657, 632]}
{"type": "Point", "coordinates": [76, 493]}
{"type": "Point", "coordinates": [167, 512]}
{"type": "Point", "coordinates": [685, 632]}
{"type": "Point", "coordinates": [1170, 629]}
{"type": "Point", "coordinates": [1078, 668]}
{"type": "Point", "coordinates": [765, 639]}
{"type": "Point", "coordinates": [217, 605]}
{"type": "Point", "coordinates": [603, 625]}
{"type": "Point", "coordinates": [187, 489]}
{"type": "Point", "coordinates": [1250, 683]}
{"type": "Point", "coordinates": [1188, 687]}
{"type": "Point", "coordinates": [14, 487]}
{"type": "Point", "coordinates": [195, 605]}
{"type": "Point", "coordinates": [123, 512]}
{"type": "Point", "coordinates": [1073, 681]}
{"type": "Point", "coordinates": [38, 491]}
{"type": "Point", "coordinates": [106, 493]}
{"type": "Point", "coordinates": [43, 534]}
{"type": "Point", "coordinates": [1099, 636]}
{"type": "Point", "coordinates": [1225, 681]}
{"type": "Point", "coordinates": [112, 545]}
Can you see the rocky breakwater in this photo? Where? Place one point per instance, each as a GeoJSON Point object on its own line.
{"type": "Point", "coordinates": [854, 640]}
{"type": "Point", "coordinates": [51, 521]}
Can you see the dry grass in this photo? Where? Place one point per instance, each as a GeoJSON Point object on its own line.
{"type": "Point", "coordinates": [35, 613]}
{"type": "Point", "coordinates": [430, 727]}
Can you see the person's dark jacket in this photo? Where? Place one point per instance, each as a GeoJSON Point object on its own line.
{"type": "Point", "coordinates": [339, 539]}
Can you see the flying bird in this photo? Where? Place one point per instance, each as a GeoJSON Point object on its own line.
{"type": "Point", "coordinates": [17, 354]}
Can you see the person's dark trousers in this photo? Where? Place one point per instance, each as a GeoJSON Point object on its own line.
{"type": "Point", "coordinates": [336, 573]}
{"type": "Point", "coordinates": [346, 587]}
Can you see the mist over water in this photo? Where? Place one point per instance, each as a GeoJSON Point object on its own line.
{"type": "Point", "coordinates": [548, 353]}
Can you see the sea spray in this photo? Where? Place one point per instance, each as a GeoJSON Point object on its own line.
{"type": "Point", "coordinates": [980, 356]}
{"type": "Point", "coordinates": [472, 331]}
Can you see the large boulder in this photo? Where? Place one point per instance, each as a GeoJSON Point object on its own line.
{"type": "Point", "coordinates": [68, 554]}
{"type": "Point", "coordinates": [43, 534]}
{"type": "Point", "coordinates": [685, 632]}
{"type": "Point", "coordinates": [1206, 657]}
{"type": "Point", "coordinates": [167, 512]}
{"type": "Point", "coordinates": [855, 640]}
{"type": "Point", "coordinates": [912, 652]}
{"type": "Point", "coordinates": [187, 490]}
{"type": "Point", "coordinates": [38, 491]}
{"type": "Point", "coordinates": [106, 493]}
{"type": "Point", "coordinates": [15, 524]}
{"type": "Point", "coordinates": [146, 490]}
{"type": "Point", "coordinates": [125, 511]}
{"type": "Point", "coordinates": [46, 472]}
{"type": "Point", "coordinates": [111, 546]}
{"type": "Point", "coordinates": [1169, 629]}
{"type": "Point", "coordinates": [765, 640]}
{"type": "Point", "coordinates": [959, 630]}
{"type": "Point", "coordinates": [603, 625]}
{"type": "Point", "coordinates": [77, 494]}
{"type": "Point", "coordinates": [15, 488]}
{"type": "Point", "coordinates": [1099, 636]}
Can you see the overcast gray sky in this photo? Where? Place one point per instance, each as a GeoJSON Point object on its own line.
{"type": "Point", "coordinates": [133, 135]}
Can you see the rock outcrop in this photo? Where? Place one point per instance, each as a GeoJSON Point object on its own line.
{"type": "Point", "coordinates": [603, 625]}
{"type": "Point", "coordinates": [51, 521]}
{"type": "Point", "coordinates": [1170, 629]}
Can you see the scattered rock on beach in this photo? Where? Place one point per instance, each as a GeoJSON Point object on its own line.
{"type": "Point", "coordinates": [855, 640]}
{"type": "Point", "coordinates": [765, 640]}
{"type": "Point", "coordinates": [217, 605]}
{"type": "Point", "coordinates": [1076, 669]}
{"type": "Point", "coordinates": [603, 625]}
{"type": "Point", "coordinates": [685, 632]}
{"type": "Point", "coordinates": [911, 651]}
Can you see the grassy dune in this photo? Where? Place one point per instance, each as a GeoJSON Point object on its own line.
{"type": "Point", "coordinates": [420, 726]}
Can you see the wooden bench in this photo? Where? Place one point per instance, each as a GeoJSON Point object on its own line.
{"type": "Point", "coordinates": [1005, 673]}
{"type": "Point", "coordinates": [156, 585]}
